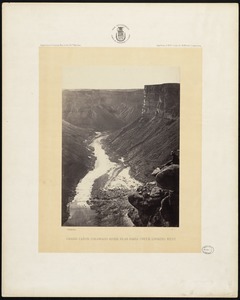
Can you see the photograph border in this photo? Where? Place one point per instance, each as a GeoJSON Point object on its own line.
{"type": "Point", "coordinates": [55, 238]}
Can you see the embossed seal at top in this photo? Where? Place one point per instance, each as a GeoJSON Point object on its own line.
{"type": "Point", "coordinates": [207, 249]}
{"type": "Point", "coordinates": [120, 33]}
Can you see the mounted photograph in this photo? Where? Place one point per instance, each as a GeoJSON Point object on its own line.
{"type": "Point", "coordinates": [120, 147]}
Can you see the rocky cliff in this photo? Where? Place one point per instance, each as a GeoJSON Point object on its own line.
{"type": "Point", "coordinates": [148, 141]}
{"type": "Point", "coordinates": [157, 203]}
{"type": "Point", "coordinates": [162, 100]}
{"type": "Point", "coordinates": [152, 142]}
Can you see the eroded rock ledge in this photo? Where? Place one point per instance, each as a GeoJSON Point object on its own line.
{"type": "Point", "coordinates": [157, 203]}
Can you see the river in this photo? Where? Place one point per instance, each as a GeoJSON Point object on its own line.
{"type": "Point", "coordinates": [118, 177]}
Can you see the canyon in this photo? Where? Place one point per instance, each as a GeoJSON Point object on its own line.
{"type": "Point", "coordinates": [141, 128]}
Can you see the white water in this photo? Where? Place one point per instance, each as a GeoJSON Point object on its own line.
{"type": "Point", "coordinates": [102, 166]}
{"type": "Point", "coordinates": [118, 177]}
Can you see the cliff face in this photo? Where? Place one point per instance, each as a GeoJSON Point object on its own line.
{"type": "Point", "coordinates": [147, 142]}
{"type": "Point", "coordinates": [162, 100]}
{"type": "Point", "coordinates": [157, 203]}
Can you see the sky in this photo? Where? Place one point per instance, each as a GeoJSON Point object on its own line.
{"type": "Point", "coordinates": [117, 77]}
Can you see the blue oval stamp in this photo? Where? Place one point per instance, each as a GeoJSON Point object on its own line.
{"type": "Point", "coordinates": [207, 249]}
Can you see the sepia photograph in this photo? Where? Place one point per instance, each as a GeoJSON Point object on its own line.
{"type": "Point", "coordinates": [120, 146]}
{"type": "Point", "coordinates": [114, 133]}
{"type": "Point", "coordinates": [122, 122]}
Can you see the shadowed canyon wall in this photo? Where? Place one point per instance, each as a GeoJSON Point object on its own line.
{"type": "Point", "coordinates": [148, 141]}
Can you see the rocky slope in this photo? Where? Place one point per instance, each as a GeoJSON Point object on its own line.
{"type": "Point", "coordinates": [157, 203]}
{"type": "Point", "coordinates": [77, 160]}
{"type": "Point", "coordinates": [148, 141]}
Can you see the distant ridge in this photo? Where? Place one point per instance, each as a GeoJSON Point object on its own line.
{"type": "Point", "coordinates": [101, 110]}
